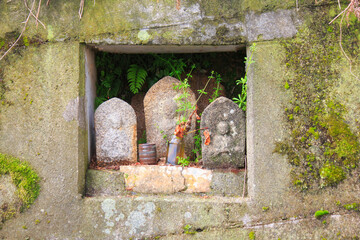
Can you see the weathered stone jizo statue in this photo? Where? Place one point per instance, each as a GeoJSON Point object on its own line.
{"type": "Point", "coordinates": [226, 123]}
{"type": "Point", "coordinates": [115, 127]}
{"type": "Point", "coordinates": [161, 116]}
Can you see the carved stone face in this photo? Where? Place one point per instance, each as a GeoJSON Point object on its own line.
{"type": "Point", "coordinates": [222, 128]}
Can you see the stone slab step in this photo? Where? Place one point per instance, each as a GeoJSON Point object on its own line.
{"type": "Point", "coordinates": [142, 217]}
{"type": "Point", "coordinates": [163, 180]}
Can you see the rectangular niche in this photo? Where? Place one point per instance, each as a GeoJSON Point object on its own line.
{"type": "Point", "coordinates": [111, 62]}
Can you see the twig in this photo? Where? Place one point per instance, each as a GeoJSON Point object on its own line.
{"type": "Point", "coordinates": [297, 5]}
{"type": "Point", "coordinates": [22, 32]}
{"type": "Point", "coordinates": [32, 14]}
{"type": "Point", "coordinates": [244, 186]}
{"type": "Point", "coordinates": [203, 90]}
{"type": "Point", "coordinates": [339, 4]}
{"type": "Point", "coordinates": [342, 50]}
{"type": "Point", "coordinates": [37, 14]}
{"type": "Point", "coordinates": [197, 130]}
{"type": "Point", "coordinates": [340, 14]}
{"type": "Point", "coordinates": [47, 3]}
{"type": "Point", "coordinates": [81, 9]}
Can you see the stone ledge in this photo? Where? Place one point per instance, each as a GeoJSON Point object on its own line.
{"type": "Point", "coordinates": [148, 216]}
{"type": "Point", "coordinates": [105, 182]}
{"type": "Point", "coordinates": [164, 180]}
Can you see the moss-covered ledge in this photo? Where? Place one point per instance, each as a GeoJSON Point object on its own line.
{"type": "Point", "coordinates": [26, 182]}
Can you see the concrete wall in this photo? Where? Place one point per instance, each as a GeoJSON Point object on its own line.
{"type": "Point", "coordinates": [44, 116]}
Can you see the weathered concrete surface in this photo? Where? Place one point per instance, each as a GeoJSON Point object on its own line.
{"type": "Point", "coordinates": [153, 179]}
{"type": "Point", "coordinates": [9, 201]}
{"type": "Point", "coordinates": [104, 182]}
{"type": "Point", "coordinates": [141, 217]}
{"type": "Point", "coordinates": [227, 183]}
{"type": "Point", "coordinates": [149, 22]}
{"type": "Point", "coordinates": [268, 173]}
{"type": "Point", "coordinates": [41, 82]}
{"type": "Point", "coordinates": [271, 25]}
{"type": "Point", "coordinates": [7, 191]}
{"type": "Point", "coordinates": [197, 180]}
{"type": "Point", "coordinates": [164, 180]}
{"type": "Point", "coordinates": [331, 227]}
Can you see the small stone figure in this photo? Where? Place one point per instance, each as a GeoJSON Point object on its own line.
{"type": "Point", "coordinates": [115, 127]}
{"type": "Point", "coordinates": [161, 116]}
{"type": "Point", "coordinates": [226, 123]}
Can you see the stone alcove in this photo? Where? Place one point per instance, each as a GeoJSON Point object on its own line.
{"type": "Point", "coordinates": [222, 181]}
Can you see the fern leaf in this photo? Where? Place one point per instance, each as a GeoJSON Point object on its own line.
{"type": "Point", "coordinates": [136, 76]}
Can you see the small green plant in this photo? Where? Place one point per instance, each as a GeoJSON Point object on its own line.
{"type": "Point", "coordinates": [265, 209]}
{"type": "Point", "coordinates": [184, 105]}
{"type": "Point", "coordinates": [136, 76]}
{"type": "Point", "coordinates": [184, 162]}
{"type": "Point", "coordinates": [163, 134]}
{"type": "Point", "coordinates": [241, 99]}
{"type": "Point", "coordinates": [197, 148]}
{"type": "Point", "coordinates": [188, 229]}
{"type": "Point", "coordinates": [217, 89]}
{"type": "Point", "coordinates": [252, 235]}
{"type": "Point", "coordinates": [320, 213]}
{"type": "Point", "coordinates": [142, 139]}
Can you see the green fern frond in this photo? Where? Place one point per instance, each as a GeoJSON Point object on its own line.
{"type": "Point", "coordinates": [136, 76]}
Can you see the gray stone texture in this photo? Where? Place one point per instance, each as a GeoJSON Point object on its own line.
{"type": "Point", "coordinates": [7, 191]}
{"type": "Point", "coordinates": [226, 124]}
{"type": "Point", "coordinates": [115, 127]}
{"type": "Point", "coordinates": [227, 183]}
{"type": "Point", "coordinates": [160, 114]}
{"type": "Point", "coordinates": [9, 201]}
{"type": "Point", "coordinates": [271, 25]}
{"type": "Point", "coordinates": [146, 217]}
{"type": "Point", "coordinates": [104, 182]}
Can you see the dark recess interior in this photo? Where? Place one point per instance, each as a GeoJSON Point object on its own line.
{"type": "Point", "coordinates": [112, 81]}
{"type": "Point", "coordinates": [112, 70]}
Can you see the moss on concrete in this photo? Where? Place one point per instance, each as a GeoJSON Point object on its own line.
{"type": "Point", "coordinates": [266, 5]}
{"type": "Point", "coordinates": [322, 148]}
{"type": "Point", "coordinates": [26, 181]}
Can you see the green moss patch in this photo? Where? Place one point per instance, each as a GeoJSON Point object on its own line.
{"type": "Point", "coordinates": [320, 213]}
{"type": "Point", "coordinates": [352, 207]}
{"type": "Point", "coordinates": [321, 148]}
{"type": "Point", "coordinates": [24, 178]}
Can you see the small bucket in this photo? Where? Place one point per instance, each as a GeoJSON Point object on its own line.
{"type": "Point", "coordinates": [147, 154]}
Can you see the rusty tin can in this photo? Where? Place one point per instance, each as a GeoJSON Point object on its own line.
{"type": "Point", "coordinates": [147, 154]}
